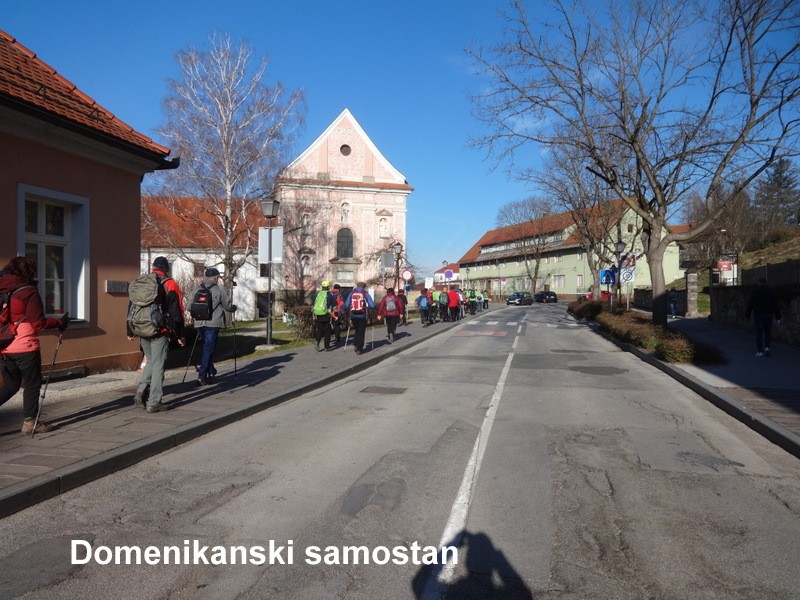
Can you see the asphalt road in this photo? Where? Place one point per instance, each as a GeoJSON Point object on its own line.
{"type": "Point", "coordinates": [559, 466]}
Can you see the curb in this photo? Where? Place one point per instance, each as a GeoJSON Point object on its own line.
{"type": "Point", "coordinates": [777, 434]}
{"type": "Point", "coordinates": [44, 487]}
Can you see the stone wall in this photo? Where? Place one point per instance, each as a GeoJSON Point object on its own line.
{"type": "Point", "coordinates": [729, 305]}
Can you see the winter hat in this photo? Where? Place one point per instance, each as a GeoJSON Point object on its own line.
{"type": "Point", "coordinates": [212, 272]}
{"type": "Point", "coordinates": [161, 263]}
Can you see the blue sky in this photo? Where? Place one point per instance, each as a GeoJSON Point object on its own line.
{"type": "Point", "coordinates": [400, 67]}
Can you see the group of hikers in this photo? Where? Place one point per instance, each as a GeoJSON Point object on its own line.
{"type": "Point", "coordinates": [333, 314]}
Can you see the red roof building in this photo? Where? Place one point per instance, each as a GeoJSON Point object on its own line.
{"type": "Point", "coordinates": [70, 194]}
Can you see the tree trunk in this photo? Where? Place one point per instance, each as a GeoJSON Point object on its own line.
{"type": "Point", "coordinates": [655, 262]}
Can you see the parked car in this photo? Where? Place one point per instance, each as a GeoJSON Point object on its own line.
{"type": "Point", "coordinates": [544, 296]}
{"type": "Point", "coordinates": [604, 295]}
{"type": "Point", "coordinates": [520, 298]}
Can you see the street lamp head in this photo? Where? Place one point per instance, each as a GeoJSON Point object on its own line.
{"type": "Point", "coordinates": [398, 248]}
{"type": "Point", "coordinates": [270, 208]}
{"type": "Point", "coordinates": [445, 263]}
{"type": "Point", "coordinates": [620, 246]}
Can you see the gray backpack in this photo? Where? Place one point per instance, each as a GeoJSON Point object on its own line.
{"type": "Point", "coordinates": [145, 314]}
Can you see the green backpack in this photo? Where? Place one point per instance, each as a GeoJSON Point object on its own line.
{"type": "Point", "coordinates": [145, 314]}
{"type": "Point", "coordinates": [321, 303]}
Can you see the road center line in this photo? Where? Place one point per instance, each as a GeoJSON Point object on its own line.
{"type": "Point", "coordinates": [441, 575]}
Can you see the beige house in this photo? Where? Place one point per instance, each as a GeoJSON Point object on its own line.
{"type": "Point", "coordinates": [343, 209]}
{"type": "Point", "coordinates": [69, 193]}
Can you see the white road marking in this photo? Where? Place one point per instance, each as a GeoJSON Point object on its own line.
{"type": "Point", "coordinates": [441, 575]}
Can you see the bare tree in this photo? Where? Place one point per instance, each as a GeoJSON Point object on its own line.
{"type": "Point", "coordinates": [663, 98]}
{"type": "Point", "coordinates": [596, 214]}
{"type": "Point", "coordinates": [525, 222]}
{"type": "Point", "coordinates": [232, 131]}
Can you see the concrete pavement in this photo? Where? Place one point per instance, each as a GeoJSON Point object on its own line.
{"type": "Point", "coordinates": [100, 431]}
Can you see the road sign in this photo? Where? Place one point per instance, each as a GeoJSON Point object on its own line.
{"type": "Point", "coordinates": [448, 274]}
{"type": "Point", "coordinates": [607, 277]}
{"type": "Point", "coordinates": [407, 275]}
{"type": "Point", "coordinates": [627, 275]}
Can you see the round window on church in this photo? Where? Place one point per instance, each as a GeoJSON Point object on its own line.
{"type": "Point", "coordinates": [345, 150]}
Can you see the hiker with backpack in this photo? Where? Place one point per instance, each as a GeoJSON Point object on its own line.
{"type": "Point", "coordinates": [324, 303]}
{"type": "Point", "coordinates": [210, 302]}
{"type": "Point", "coordinates": [22, 317]}
{"type": "Point", "coordinates": [423, 304]}
{"type": "Point", "coordinates": [155, 312]}
{"type": "Point", "coordinates": [338, 316]}
{"type": "Point", "coordinates": [390, 309]}
{"type": "Point", "coordinates": [357, 304]}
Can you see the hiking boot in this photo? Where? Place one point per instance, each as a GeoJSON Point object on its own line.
{"type": "Point", "coordinates": [316, 345]}
{"type": "Point", "coordinates": [41, 427]}
{"type": "Point", "coordinates": [156, 408]}
{"type": "Point", "coordinates": [139, 400]}
{"type": "Point", "coordinates": [767, 352]}
{"type": "Point", "coordinates": [760, 354]}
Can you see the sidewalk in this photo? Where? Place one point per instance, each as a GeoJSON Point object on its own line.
{"type": "Point", "coordinates": [100, 431]}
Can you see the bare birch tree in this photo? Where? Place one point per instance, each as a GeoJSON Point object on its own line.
{"type": "Point", "coordinates": [232, 131]}
{"type": "Point", "coordinates": [662, 97]}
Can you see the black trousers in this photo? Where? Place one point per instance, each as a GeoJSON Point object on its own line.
{"type": "Point", "coordinates": [360, 328]}
{"type": "Point", "coordinates": [18, 368]}
{"type": "Point", "coordinates": [323, 329]}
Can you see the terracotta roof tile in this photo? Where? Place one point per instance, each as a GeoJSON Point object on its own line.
{"type": "Point", "coordinates": [185, 223]}
{"type": "Point", "coordinates": [27, 80]}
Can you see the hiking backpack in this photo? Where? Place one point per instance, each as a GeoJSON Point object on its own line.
{"type": "Point", "coordinates": [202, 307]}
{"type": "Point", "coordinates": [321, 303]}
{"type": "Point", "coordinates": [8, 328]}
{"type": "Point", "coordinates": [357, 303]}
{"type": "Point", "coordinates": [391, 305]}
{"type": "Point", "coordinates": [423, 302]}
{"type": "Point", "coordinates": [146, 314]}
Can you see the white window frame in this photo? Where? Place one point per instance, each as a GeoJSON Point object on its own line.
{"type": "Point", "coordinates": [76, 243]}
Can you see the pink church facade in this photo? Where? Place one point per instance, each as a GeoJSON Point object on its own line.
{"type": "Point", "coordinates": [343, 208]}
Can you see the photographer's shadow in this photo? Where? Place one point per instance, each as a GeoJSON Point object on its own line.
{"type": "Point", "coordinates": [486, 574]}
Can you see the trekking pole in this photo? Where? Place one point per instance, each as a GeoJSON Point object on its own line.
{"type": "Point", "coordinates": [347, 337]}
{"type": "Point", "coordinates": [191, 354]}
{"type": "Point", "coordinates": [46, 383]}
{"type": "Point", "coordinates": [233, 322]}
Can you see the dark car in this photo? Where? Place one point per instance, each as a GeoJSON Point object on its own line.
{"type": "Point", "coordinates": [545, 297]}
{"type": "Point", "coordinates": [520, 298]}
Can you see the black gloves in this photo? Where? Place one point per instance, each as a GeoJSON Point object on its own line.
{"type": "Point", "coordinates": [64, 322]}
{"type": "Point", "coordinates": [233, 308]}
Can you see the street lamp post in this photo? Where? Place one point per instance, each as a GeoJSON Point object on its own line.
{"type": "Point", "coordinates": [619, 246]}
{"type": "Point", "coordinates": [398, 251]}
{"type": "Point", "coordinates": [270, 210]}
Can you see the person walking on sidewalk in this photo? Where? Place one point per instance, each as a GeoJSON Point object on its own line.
{"type": "Point", "coordinates": [357, 303]}
{"type": "Point", "coordinates": [423, 304]}
{"type": "Point", "coordinates": [673, 297]}
{"type": "Point", "coordinates": [390, 309]}
{"type": "Point", "coordinates": [324, 303]}
{"type": "Point", "coordinates": [151, 388]}
{"type": "Point", "coordinates": [21, 360]}
{"type": "Point", "coordinates": [763, 305]}
{"type": "Point", "coordinates": [208, 330]}
{"type": "Point", "coordinates": [337, 314]}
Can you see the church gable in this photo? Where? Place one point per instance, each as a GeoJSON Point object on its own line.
{"type": "Point", "coordinates": [344, 153]}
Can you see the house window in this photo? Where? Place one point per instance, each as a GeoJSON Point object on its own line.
{"type": "Point", "coordinates": [547, 260]}
{"type": "Point", "coordinates": [383, 228]}
{"type": "Point", "coordinates": [344, 243]}
{"type": "Point", "coordinates": [560, 258]}
{"type": "Point", "coordinates": [630, 228]}
{"type": "Point", "coordinates": [580, 254]}
{"type": "Point", "coordinates": [263, 270]}
{"type": "Point", "coordinates": [55, 236]}
{"type": "Point", "coordinates": [199, 269]}
{"type": "Point", "coordinates": [579, 281]}
{"type": "Point", "coordinates": [559, 281]}
{"type": "Point", "coordinates": [345, 212]}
